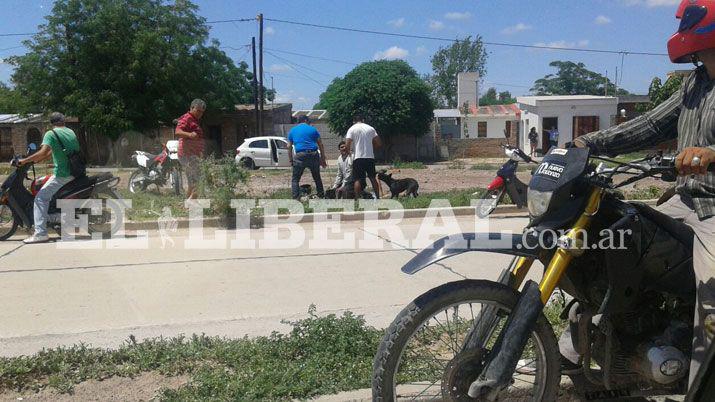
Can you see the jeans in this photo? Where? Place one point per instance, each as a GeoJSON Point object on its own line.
{"type": "Point", "coordinates": [42, 202]}
{"type": "Point", "coordinates": [301, 161]}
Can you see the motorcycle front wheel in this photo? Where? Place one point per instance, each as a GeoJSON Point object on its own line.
{"type": "Point", "coordinates": [422, 355]}
{"type": "Point", "coordinates": [489, 201]}
{"type": "Point", "coordinates": [175, 178]}
{"type": "Point", "coordinates": [137, 182]}
{"type": "Point", "coordinates": [8, 224]}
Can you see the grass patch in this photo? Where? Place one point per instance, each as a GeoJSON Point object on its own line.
{"type": "Point", "coordinates": [456, 164]}
{"type": "Point", "coordinates": [320, 355]}
{"type": "Point", "coordinates": [645, 193]}
{"type": "Point", "coordinates": [150, 205]}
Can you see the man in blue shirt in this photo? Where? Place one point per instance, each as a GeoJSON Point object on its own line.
{"type": "Point", "coordinates": [306, 140]}
{"type": "Point", "coordinates": [554, 138]}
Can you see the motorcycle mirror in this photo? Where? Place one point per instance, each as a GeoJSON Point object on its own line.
{"type": "Point", "coordinates": [31, 148]}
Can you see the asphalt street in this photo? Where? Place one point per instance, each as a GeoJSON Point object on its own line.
{"type": "Point", "coordinates": [100, 292]}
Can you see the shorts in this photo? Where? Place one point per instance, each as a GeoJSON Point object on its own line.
{"type": "Point", "coordinates": [190, 164]}
{"type": "Point", "coordinates": [363, 168]}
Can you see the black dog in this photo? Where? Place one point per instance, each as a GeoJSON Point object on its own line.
{"type": "Point", "coordinates": [397, 186]}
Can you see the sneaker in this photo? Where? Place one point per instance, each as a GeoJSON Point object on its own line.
{"type": "Point", "coordinates": [36, 239]}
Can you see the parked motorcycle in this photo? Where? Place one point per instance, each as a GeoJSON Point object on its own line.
{"type": "Point", "coordinates": [630, 320]}
{"type": "Point", "coordinates": [160, 170]}
{"type": "Point", "coordinates": [506, 182]}
{"type": "Point", "coordinates": [16, 200]}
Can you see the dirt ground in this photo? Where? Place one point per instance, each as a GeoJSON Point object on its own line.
{"type": "Point", "coordinates": [144, 387]}
{"type": "Point", "coordinates": [434, 178]}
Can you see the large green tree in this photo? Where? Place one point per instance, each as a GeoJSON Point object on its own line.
{"type": "Point", "coordinates": [464, 55]}
{"type": "Point", "coordinates": [574, 79]}
{"type": "Point", "coordinates": [126, 64]}
{"type": "Point", "coordinates": [10, 100]}
{"type": "Point", "coordinates": [389, 94]}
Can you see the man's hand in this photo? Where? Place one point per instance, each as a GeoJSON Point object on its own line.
{"type": "Point", "coordinates": [323, 162]}
{"type": "Point", "coordinates": [684, 161]}
{"type": "Point", "coordinates": [193, 135]}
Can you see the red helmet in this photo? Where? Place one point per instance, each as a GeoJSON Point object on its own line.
{"type": "Point", "coordinates": [696, 31]}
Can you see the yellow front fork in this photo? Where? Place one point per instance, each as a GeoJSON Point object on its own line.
{"type": "Point", "coordinates": [563, 256]}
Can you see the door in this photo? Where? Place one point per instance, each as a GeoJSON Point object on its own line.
{"type": "Point", "coordinates": [584, 125]}
{"type": "Point", "coordinates": [260, 152]}
{"type": "Point", "coordinates": [6, 148]}
{"type": "Point", "coordinates": [281, 151]}
{"type": "Point", "coordinates": [548, 124]}
{"type": "Point", "coordinates": [214, 144]}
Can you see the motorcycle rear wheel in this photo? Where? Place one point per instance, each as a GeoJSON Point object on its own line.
{"type": "Point", "coordinates": [416, 360]}
{"type": "Point", "coordinates": [8, 224]}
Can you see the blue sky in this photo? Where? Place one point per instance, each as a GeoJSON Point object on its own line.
{"type": "Point", "coordinates": [635, 25]}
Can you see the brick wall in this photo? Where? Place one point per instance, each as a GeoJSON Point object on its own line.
{"type": "Point", "coordinates": [476, 147]}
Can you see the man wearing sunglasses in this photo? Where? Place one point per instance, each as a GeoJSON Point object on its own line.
{"type": "Point", "coordinates": [689, 116]}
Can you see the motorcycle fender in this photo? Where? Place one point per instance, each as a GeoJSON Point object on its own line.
{"type": "Point", "coordinates": [498, 182]}
{"type": "Point", "coordinates": [450, 246]}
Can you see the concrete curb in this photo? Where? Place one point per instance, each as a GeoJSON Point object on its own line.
{"type": "Point", "coordinates": [501, 212]}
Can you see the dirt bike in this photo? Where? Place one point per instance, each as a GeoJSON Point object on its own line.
{"type": "Point", "coordinates": [629, 320]}
{"type": "Point", "coordinates": [506, 182]}
{"type": "Point", "coordinates": [16, 201]}
{"type": "Point", "coordinates": [159, 170]}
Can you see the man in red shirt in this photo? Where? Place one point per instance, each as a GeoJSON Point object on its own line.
{"type": "Point", "coordinates": [191, 144]}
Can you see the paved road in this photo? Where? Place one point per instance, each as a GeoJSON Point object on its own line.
{"type": "Point", "coordinates": [56, 296]}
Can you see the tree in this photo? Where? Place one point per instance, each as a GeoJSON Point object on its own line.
{"type": "Point", "coordinates": [10, 100]}
{"type": "Point", "coordinates": [465, 55]}
{"type": "Point", "coordinates": [389, 94]}
{"type": "Point", "coordinates": [126, 64]}
{"type": "Point", "coordinates": [659, 93]}
{"type": "Point", "coordinates": [492, 98]}
{"type": "Point", "coordinates": [574, 79]}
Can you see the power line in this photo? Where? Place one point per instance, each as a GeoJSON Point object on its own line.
{"type": "Point", "coordinates": [314, 57]}
{"type": "Point", "coordinates": [300, 72]}
{"type": "Point", "coordinates": [443, 39]}
{"type": "Point", "coordinates": [300, 65]}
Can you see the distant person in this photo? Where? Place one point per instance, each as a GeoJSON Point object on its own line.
{"type": "Point", "coordinates": [553, 138]}
{"type": "Point", "coordinates": [365, 139]}
{"type": "Point", "coordinates": [344, 178]}
{"type": "Point", "coordinates": [53, 143]}
{"type": "Point", "coordinates": [191, 144]}
{"type": "Point", "coordinates": [533, 141]}
{"type": "Point", "coordinates": [306, 140]}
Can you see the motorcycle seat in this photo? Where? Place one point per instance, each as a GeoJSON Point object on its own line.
{"type": "Point", "coordinates": [679, 230]}
{"type": "Point", "coordinates": [81, 183]}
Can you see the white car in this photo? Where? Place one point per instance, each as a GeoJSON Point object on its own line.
{"type": "Point", "coordinates": [257, 152]}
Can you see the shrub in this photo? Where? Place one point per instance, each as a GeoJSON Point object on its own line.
{"type": "Point", "coordinates": [218, 179]}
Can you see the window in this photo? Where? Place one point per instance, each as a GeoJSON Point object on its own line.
{"type": "Point", "coordinates": [482, 129]}
{"type": "Point", "coordinates": [6, 142]}
{"type": "Point", "coordinates": [259, 144]}
{"type": "Point", "coordinates": [281, 144]}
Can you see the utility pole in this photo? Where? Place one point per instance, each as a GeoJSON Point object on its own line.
{"type": "Point", "coordinates": [260, 72]}
{"type": "Point", "coordinates": [255, 88]}
{"type": "Point", "coordinates": [272, 90]}
{"type": "Point", "coordinates": [605, 84]}
{"type": "Point", "coordinates": [616, 83]}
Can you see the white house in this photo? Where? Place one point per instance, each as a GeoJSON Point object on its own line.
{"type": "Point", "coordinates": [491, 121]}
{"type": "Point", "coordinates": [572, 115]}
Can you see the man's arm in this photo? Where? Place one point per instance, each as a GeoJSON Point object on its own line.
{"type": "Point", "coordinates": [181, 132]}
{"type": "Point", "coordinates": [656, 126]}
{"type": "Point", "coordinates": [339, 177]}
{"type": "Point", "coordinates": [290, 152]}
{"type": "Point", "coordinates": [45, 152]}
{"type": "Point", "coordinates": [323, 162]}
{"type": "Point", "coordinates": [376, 142]}
{"type": "Point", "coordinates": [349, 145]}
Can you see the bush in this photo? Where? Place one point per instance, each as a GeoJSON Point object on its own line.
{"type": "Point", "coordinates": [398, 163]}
{"type": "Point", "coordinates": [218, 179]}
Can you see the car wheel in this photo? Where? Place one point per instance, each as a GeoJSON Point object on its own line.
{"type": "Point", "coordinates": [249, 164]}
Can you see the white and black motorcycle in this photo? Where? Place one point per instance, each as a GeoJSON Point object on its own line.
{"type": "Point", "coordinates": [163, 169]}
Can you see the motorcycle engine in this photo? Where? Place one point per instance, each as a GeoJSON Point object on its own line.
{"type": "Point", "coordinates": [153, 174]}
{"type": "Point", "coordinates": [662, 364]}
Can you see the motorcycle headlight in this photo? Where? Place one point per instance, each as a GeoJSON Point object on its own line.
{"type": "Point", "coordinates": [538, 201]}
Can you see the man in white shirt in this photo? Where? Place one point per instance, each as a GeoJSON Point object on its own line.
{"type": "Point", "coordinates": [344, 179]}
{"type": "Point", "coordinates": [365, 139]}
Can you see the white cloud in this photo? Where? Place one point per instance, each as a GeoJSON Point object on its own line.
{"type": "Point", "coordinates": [270, 31]}
{"type": "Point", "coordinates": [420, 50]}
{"type": "Point", "coordinates": [602, 20]}
{"type": "Point", "coordinates": [279, 68]}
{"type": "Point", "coordinates": [298, 101]}
{"type": "Point", "coordinates": [397, 23]}
{"type": "Point", "coordinates": [520, 27]}
{"type": "Point", "coordinates": [652, 3]}
{"type": "Point", "coordinates": [457, 16]}
{"type": "Point", "coordinates": [563, 43]}
{"type": "Point", "coordinates": [436, 25]}
{"type": "Point", "coordinates": [392, 53]}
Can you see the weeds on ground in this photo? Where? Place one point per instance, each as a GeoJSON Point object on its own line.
{"type": "Point", "coordinates": [320, 355]}
{"type": "Point", "coordinates": [398, 163]}
{"type": "Point", "coordinates": [456, 164]}
{"type": "Point", "coordinates": [149, 205]}
{"type": "Point", "coordinates": [645, 193]}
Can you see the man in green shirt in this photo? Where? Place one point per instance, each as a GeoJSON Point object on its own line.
{"type": "Point", "coordinates": [61, 174]}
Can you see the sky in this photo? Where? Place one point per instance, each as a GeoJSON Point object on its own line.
{"type": "Point", "coordinates": [621, 25]}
